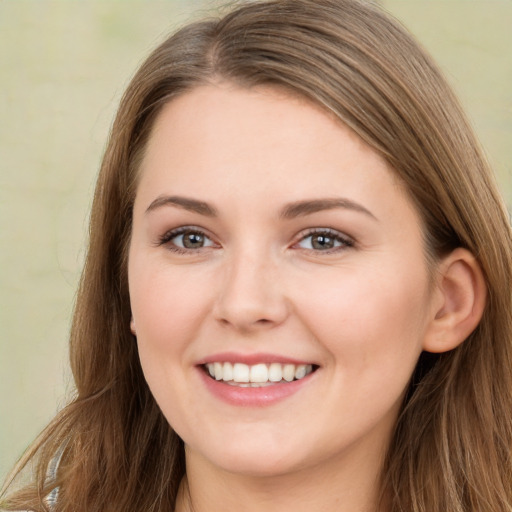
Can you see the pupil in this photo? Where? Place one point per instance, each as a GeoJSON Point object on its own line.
{"type": "Point", "coordinates": [322, 242]}
{"type": "Point", "coordinates": [193, 240]}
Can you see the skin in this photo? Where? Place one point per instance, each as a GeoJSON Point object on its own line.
{"type": "Point", "coordinates": [362, 312]}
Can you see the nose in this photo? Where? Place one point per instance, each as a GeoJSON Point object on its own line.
{"type": "Point", "coordinates": [251, 295]}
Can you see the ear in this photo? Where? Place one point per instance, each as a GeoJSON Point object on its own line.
{"type": "Point", "coordinates": [132, 327]}
{"type": "Point", "coordinates": [459, 301]}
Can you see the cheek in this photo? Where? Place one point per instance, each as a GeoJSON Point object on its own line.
{"type": "Point", "coordinates": [363, 316]}
{"type": "Point", "coordinates": [168, 311]}
{"type": "Point", "coordinates": [372, 330]}
{"type": "Point", "coordinates": [167, 304]}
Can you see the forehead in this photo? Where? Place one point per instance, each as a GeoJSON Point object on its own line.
{"type": "Point", "coordinates": [234, 142]}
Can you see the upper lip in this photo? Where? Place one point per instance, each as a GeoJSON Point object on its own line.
{"type": "Point", "coordinates": [250, 359]}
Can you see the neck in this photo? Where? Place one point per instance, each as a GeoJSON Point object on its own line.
{"type": "Point", "coordinates": [331, 486]}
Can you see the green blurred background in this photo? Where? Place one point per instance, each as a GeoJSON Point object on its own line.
{"type": "Point", "coordinates": [63, 67]}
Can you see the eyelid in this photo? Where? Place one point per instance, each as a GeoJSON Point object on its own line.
{"type": "Point", "coordinates": [347, 241]}
{"type": "Point", "coordinates": [165, 239]}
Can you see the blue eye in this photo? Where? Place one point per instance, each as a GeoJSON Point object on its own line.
{"type": "Point", "coordinates": [324, 240]}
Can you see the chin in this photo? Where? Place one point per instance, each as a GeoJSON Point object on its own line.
{"type": "Point", "coordinates": [252, 459]}
{"type": "Point", "coordinates": [262, 468]}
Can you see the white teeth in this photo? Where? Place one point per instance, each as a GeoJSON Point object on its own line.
{"type": "Point", "coordinates": [217, 368]}
{"type": "Point", "coordinates": [275, 372]}
{"type": "Point", "coordinates": [227, 371]}
{"type": "Point", "coordinates": [300, 371]}
{"type": "Point", "coordinates": [240, 372]}
{"type": "Point", "coordinates": [259, 374]}
{"type": "Point", "coordinates": [288, 372]}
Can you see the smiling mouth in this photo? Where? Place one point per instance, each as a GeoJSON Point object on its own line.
{"type": "Point", "coordinates": [257, 375]}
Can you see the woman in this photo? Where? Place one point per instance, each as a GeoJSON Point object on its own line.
{"type": "Point", "coordinates": [297, 292]}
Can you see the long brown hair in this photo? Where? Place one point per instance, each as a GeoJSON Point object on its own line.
{"type": "Point", "coordinates": [452, 447]}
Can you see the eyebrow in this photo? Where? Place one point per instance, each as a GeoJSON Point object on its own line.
{"type": "Point", "coordinates": [301, 208]}
{"type": "Point", "coordinates": [290, 211]}
{"type": "Point", "coordinates": [192, 205]}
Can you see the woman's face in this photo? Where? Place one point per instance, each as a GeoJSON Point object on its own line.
{"type": "Point", "coordinates": [274, 249]}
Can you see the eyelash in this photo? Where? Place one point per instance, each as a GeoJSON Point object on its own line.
{"type": "Point", "coordinates": [166, 239]}
{"type": "Point", "coordinates": [344, 241]}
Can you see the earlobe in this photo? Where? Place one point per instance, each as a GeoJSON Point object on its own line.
{"type": "Point", "coordinates": [460, 301]}
{"type": "Point", "coordinates": [132, 327]}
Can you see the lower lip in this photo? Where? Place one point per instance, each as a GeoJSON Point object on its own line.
{"type": "Point", "coordinates": [253, 397]}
